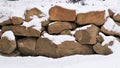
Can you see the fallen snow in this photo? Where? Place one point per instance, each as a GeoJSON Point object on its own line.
{"type": "Point", "coordinates": [35, 23]}
{"type": "Point", "coordinates": [80, 28]}
{"type": "Point", "coordinates": [9, 35]}
{"type": "Point", "coordinates": [58, 39]}
{"type": "Point", "coordinates": [110, 25]}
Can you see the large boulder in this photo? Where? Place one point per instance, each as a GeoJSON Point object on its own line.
{"type": "Point", "coordinates": [103, 50]}
{"type": "Point", "coordinates": [62, 14]}
{"type": "Point", "coordinates": [31, 12]}
{"type": "Point", "coordinates": [16, 20]}
{"type": "Point", "coordinates": [7, 42]}
{"type": "Point", "coordinates": [46, 47]}
{"type": "Point", "coordinates": [87, 36]}
{"type": "Point", "coordinates": [117, 17]}
{"type": "Point", "coordinates": [57, 27]}
{"type": "Point", "coordinates": [94, 17]}
{"type": "Point", "coordinates": [22, 31]}
{"type": "Point", "coordinates": [70, 48]}
{"type": "Point", "coordinates": [27, 46]}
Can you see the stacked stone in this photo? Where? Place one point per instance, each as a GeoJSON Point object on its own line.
{"type": "Point", "coordinates": [30, 42]}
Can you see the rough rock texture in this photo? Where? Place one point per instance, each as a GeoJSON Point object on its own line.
{"type": "Point", "coordinates": [13, 54]}
{"type": "Point", "coordinates": [57, 27]}
{"type": "Point", "coordinates": [46, 47]}
{"type": "Point", "coordinates": [117, 17]}
{"type": "Point", "coordinates": [62, 14]}
{"type": "Point", "coordinates": [7, 22]}
{"type": "Point", "coordinates": [31, 12]}
{"type": "Point", "coordinates": [7, 46]}
{"type": "Point", "coordinates": [100, 39]}
{"type": "Point", "coordinates": [66, 32]}
{"type": "Point", "coordinates": [87, 36]}
{"type": "Point", "coordinates": [104, 50]}
{"type": "Point", "coordinates": [22, 31]}
{"type": "Point", "coordinates": [27, 46]}
{"type": "Point", "coordinates": [16, 20]}
{"type": "Point", "coordinates": [111, 13]}
{"type": "Point", "coordinates": [94, 17]}
{"type": "Point", "coordinates": [70, 48]}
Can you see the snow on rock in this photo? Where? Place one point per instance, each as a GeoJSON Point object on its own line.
{"type": "Point", "coordinates": [58, 39]}
{"type": "Point", "coordinates": [116, 44]}
{"type": "Point", "coordinates": [35, 23]}
{"type": "Point", "coordinates": [80, 28]}
{"type": "Point", "coordinates": [9, 35]}
{"type": "Point", "coordinates": [5, 14]}
{"type": "Point", "coordinates": [110, 25]}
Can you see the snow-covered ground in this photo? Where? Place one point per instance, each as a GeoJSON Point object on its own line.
{"type": "Point", "coordinates": [75, 61]}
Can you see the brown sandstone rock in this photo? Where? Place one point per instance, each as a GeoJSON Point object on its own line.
{"type": "Point", "coordinates": [7, 22]}
{"type": "Point", "coordinates": [13, 54]}
{"type": "Point", "coordinates": [100, 39]}
{"type": "Point", "coordinates": [58, 27]}
{"type": "Point", "coordinates": [87, 36]}
{"type": "Point", "coordinates": [31, 12]}
{"type": "Point", "coordinates": [22, 31]}
{"type": "Point", "coordinates": [7, 46]}
{"type": "Point", "coordinates": [17, 20]}
{"type": "Point", "coordinates": [62, 14]}
{"type": "Point", "coordinates": [45, 47]}
{"type": "Point", "coordinates": [66, 32]}
{"type": "Point", "coordinates": [45, 23]}
{"type": "Point", "coordinates": [117, 17]}
{"type": "Point", "coordinates": [27, 46]}
{"type": "Point", "coordinates": [104, 50]}
{"type": "Point", "coordinates": [95, 17]}
{"type": "Point", "coordinates": [70, 48]}
{"type": "Point", "coordinates": [111, 13]}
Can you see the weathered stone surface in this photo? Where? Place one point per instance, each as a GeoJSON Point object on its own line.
{"type": "Point", "coordinates": [100, 39]}
{"type": "Point", "coordinates": [70, 48]}
{"type": "Point", "coordinates": [45, 47]}
{"type": "Point", "coordinates": [66, 32]}
{"type": "Point", "coordinates": [7, 22]}
{"type": "Point", "coordinates": [16, 20]}
{"type": "Point", "coordinates": [95, 17]}
{"type": "Point", "coordinates": [13, 54]}
{"type": "Point", "coordinates": [57, 27]}
{"type": "Point", "coordinates": [87, 36]}
{"type": "Point", "coordinates": [111, 13]}
{"type": "Point", "coordinates": [45, 23]}
{"type": "Point", "coordinates": [22, 31]}
{"type": "Point", "coordinates": [7, 46]}
{"type": "Point", "coordinates": [62, 14]}
{"type": "Point", "coordinates": [117, 17]}
{"type": "Point", "coordinates": [104, 50]}
{"type": "Point", "coordinates": [31, 12]}
{"type": "Point", "coordinates": [27, 46]}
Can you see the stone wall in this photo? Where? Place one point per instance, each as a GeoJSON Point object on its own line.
{"type": "Point", "coordinates": [78, 33]}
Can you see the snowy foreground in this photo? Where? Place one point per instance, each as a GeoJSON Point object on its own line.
{"type": "Point", "coordinates": [76, 61]}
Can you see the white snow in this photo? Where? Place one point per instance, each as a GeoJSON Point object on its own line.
{"type": "Point", "coordinates": [80, 28]}
{"type": "Point", "coordinates": [17, 8]}
{"type": "Point", "coordinates": [110, 25]}
{"type": "Point", "coordinates": [9, 35]}
{"type": "Point", "coordinates": [58, 39]}
{"type": "Point", "coordinates": [35, 23]}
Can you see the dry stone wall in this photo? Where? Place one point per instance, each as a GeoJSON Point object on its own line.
{"type": "Point", "coordinates": [78, 33]}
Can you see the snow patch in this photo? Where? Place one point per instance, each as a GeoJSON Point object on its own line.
{"type": "Point", "coordinates": [58, 39]}
{"type": "Point", "coordinates": [80, 28]}
{"type": "Point", "coordinates": [9, 35]}
{"type": "Point", "coordinates": [35, 23]}
{"type": "Point", "coordinates": [110, 25]}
